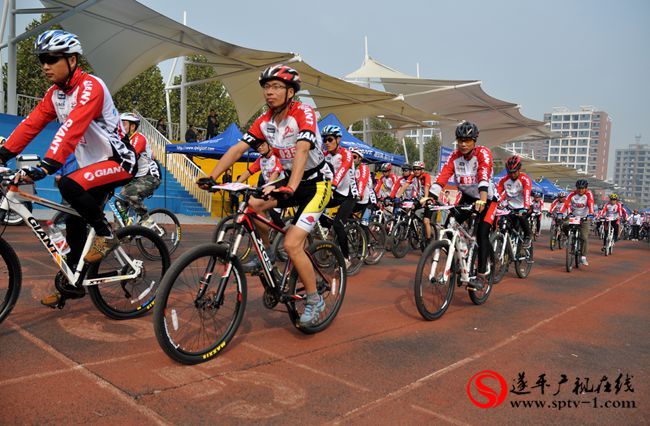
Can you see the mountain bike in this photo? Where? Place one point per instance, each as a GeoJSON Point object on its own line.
{"type": "Point", "coordinates": [574, 243]}
{"type": "Point", "coordinates": [608, 247]}
{"type": "Point", "coordinates": [408, 231]}
{"type": "Point", "coordinates": [508, 246]}
{"type": "Point", "coordinates": [557, 237]}
{"type": "Point", "coordinates": [451, 261]}
{"type": "Point", "coordinates": [122, 285]}
{"type": "Point", "coordinates": [202, 297]}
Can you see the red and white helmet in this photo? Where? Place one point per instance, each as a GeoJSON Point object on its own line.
{"type": "Point", "coordinates": [283, 73]}
{"type": "Point", "coordinates": [357, 151]}
{"type": "Point", "coordinates": [418, 164]}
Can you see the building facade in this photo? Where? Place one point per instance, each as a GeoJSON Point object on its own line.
{"type": "Point", "coordinates": [632, 173]}
{"type": "Point", "coordinates": [584, 141]}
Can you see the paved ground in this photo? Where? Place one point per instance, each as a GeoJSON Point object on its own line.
{"type": "Point", "coordinates": [378, 363]}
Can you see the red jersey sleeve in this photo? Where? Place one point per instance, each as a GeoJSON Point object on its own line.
{"type": "Point", "coordinates": [447, 171]}
{"type": "Point", "coordinates": [484, 172]}
{"type": "Point", "coordinates": [90, 102]}
{"type": "Point", "coordinates": [307, 128]}
{"type": "Point", "coordinates": [31, 126]}
{"type": "Point", "coordinates": [426, 183]}
{"type": "Point", "coordinates": [501, 189]}
{"type": "Point", "coordinates": [139, 143]}
{"type": "Point", "coordinates": [346, 163]}
{"type": "Point", "coordinates": [567, 203]}
{"type": "Point", "coordinates": [255, 167]}
{"type": "Point", "coordinates": [528, 188]}
{"type": "Point", "coordinates": [622, 211]}
{"type": "Point", "coordinates": [364, 178]}
{"type": "Point", "coordinates": [254, 135]}
{"type": "Point", "coordinates": [590, 202]}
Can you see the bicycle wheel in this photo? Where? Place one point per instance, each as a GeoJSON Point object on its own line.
{"type": "Point", "coordinates": [357, 244]}
{"type": "Point", "coordinates": [569, 253]}
{"type": "Point", "coordinates": [553, 240]}
{"type": "Point", "coordinates": [10, 279]}
{"type": "Point", "coordinates": [167, 226]}
{"type": "Point", "coordinates": [501, 263]}
{"type": "Point", "coordinates": [577, 251]}
{"type": "Point", "coordinates": [220, 226]}
{"type": "Point", "coordinates": [523, 266]}
{"type": "Point", "coordinates": [331, 283]}
{"type": "Point", "coordinates": [400, 241]}
{"type": "Point", "coordinates": [480, 297]}
{"type": "Point", "coordinates": [134, 297]}
{"type": "Point", "coordinates": [417, 234]}
{"type": "Point", "coordinates": [14, 219]}
{"type": "Point", "coordinates": [433, 294]}
{"type": "Point", "coordinates": [376, 233]}
{"type": "Point", "coordinates": [191, 325]}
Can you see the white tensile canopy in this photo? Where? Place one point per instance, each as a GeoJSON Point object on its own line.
{"type": "Point", "coordinates": [456, 100]}
{"type": "Point", "coordinates": [106, 28]}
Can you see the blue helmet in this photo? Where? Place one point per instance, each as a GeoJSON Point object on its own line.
{"type": "Point", "coordinates": [331, 129]}
{"type": "Point", "coordinates": [57, 41]}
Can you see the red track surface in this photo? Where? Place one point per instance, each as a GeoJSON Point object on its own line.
{"type": "Point", "coordinates": [378, 363]}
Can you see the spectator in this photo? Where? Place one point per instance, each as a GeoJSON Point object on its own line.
{"type": "Point", "coordinates": [190, 134]}
{"type": "Point", "coordinates": [161, 126]}
{"type": "Point", "coordinates": [227, 176]}
{"type": "Point", "coordinates": [199, 136]}
{"type": "Point", "coordinates": [213, 125]}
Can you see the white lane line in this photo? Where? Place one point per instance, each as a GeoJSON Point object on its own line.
{"type": "Point", "coordinates": [308, 368]}
{"type": "Point", "coordinates": [421, 381]}
{"type": "Point", "coordinates": [438, 415]}
{"type": "Point", "coordinates": [120, 394]}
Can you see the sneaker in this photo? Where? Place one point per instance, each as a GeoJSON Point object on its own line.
{"type": "Point", "coordinates": [52, 301]}
{"type": "Point", "coordinates": [478, 283]}
{"type": "Point", "coordinates": [101, 246]}
{"type": "Point", "coordinates": [583, 261]}
{"type": "Point", "coordinates": [311, 313]}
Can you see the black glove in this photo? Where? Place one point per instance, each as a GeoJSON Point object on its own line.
{"type": "Point", "coordinates": [206, 183]}
{"type": "Point", "coordinates": [34, 173]}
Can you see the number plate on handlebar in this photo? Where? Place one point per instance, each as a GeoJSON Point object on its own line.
{"type": "Point", "coordinates": [408, 204]}
{"type": "Point", "coordinates": [574, 221]}
{"type": "Point", "coordinates": [232, 186]}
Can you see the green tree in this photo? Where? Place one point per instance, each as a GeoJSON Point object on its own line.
{"type": "Point", "coordinates": [432, 153]}
{"type": "Point", "coordinates": [411, 150]}
{"type": "Point", "coordinates": [201, 98]}
{"type": "Point", "coordinates": [29, 76]}
{"type": "Point", "coordinates": [144, 94]}
{"type": "Point", "coordinates": [381, 135]}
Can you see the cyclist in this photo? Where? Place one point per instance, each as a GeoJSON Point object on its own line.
{"type": "Point", "coordinates": [386, 181]}
{"type": "Point", "coordinates": [515, 188]}
{"type": "Point", "coordinates": [147, 178]}
{"type": "Point", "coordinates": [91, 129]}
{"type": "Point", "coordinates": [412, 190]}
{"type": "Point", "coordinates": [422, 181]}
{"type": "Point", "coordinates": [364, 186]}
{"type": "Point", "coordinates": [635, 220]}
{"type": "Point", "coordinates": [536, 207]}
{"type": "Point", "coordinates": [612, 213]}
{"type": "Point", "coordinates": [555, 208]}
{"type": "Point", "coordinates": [581, 204]}
{"type": "Point", "coordinates": [344, 185]}
{"type": "Point", "coordinates": [471, 166]}
{"type": "Point", "coordinates": [267, 163]}
{"type": "Point", "coordinates": [290, 129]}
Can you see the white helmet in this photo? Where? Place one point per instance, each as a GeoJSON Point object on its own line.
{"type": "Point", "coordinates": [57, 41]}
{"type": "Point", "coordinates": [129, 116]}
{"type": "Point", "coordinates": [357, 151]}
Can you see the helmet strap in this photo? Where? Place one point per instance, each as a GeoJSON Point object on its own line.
{"type": "Point", "coordinates": [65, 86]}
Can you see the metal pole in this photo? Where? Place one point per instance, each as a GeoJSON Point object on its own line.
{"type": "Point", "coordinates": [183, 116]}
{"type": "Point", "coordinates": [3, 24]}
{"type": "Point", "coordinates": [12, 106]}
{"type": "Point", "coordinates": [421, 141]}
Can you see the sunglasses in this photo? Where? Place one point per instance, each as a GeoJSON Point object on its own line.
{"type": "Point", "coordinates": [330, 139]}
{"type": "Point", "coordinates": [417, 170]}
{"type": "Point", "coordinates": [46, 58]}
{"type": "Point", "coordinates": [356, 157]}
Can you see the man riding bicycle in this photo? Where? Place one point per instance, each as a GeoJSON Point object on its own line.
{"type": "Point", "coordinates": [290, 129]}
{"type": "Point", "coordinates": [612, 213]}
{"type": "Point", "coordinates": [580, 202]}
{"type": "Point", "coordinates": [386, 182]}
{"type": "Point", "coordinates": [514, 189]}
{"type": "Point", "coordinates": [471, 166]}
{"type": "Point", "coordinates": [536, 207]}
{"type": "Point", "coordinates": [422, 181]}
{"type": "Point", "coordinates": [147, 178]}
{"type": "Point", "coordinates": [91, 129]}
{"type": "Point", "coordinates": [364, 186]}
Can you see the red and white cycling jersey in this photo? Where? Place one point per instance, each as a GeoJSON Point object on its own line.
{"type": "Point", "coordinates": [580, 205]}
{"type": "Point", "coordinates": [635, 219]}
{"type": "Point", "coordinates": [537, 205]}
{"type": "Point", "coordinates": [613, 212]}
{"type": "Point", "coordinates": [385, 184]}
{"type": "Point", "coordinates": [556, 205]}
{"type": "Point", "coordinates": [146, 163]}
{"type": "Point", "coordinates": [411, 191]}
{"type": "Point", "coordinates": [90, 125]}
{"type": "Point", "coordinates": [470, 174]}
{"type": "Point", "coordinates": [343, 168]}
{"type": "Point", "coordinates": [417, 185]}
{"type": "Point", "coordinates": [298, 125]}
{"type": "Point", "coordinates": [516, 193]}
{"type": "Point", "coordinates": [268, 166]}
{"type": "Point", "coordinates": [364, 185]}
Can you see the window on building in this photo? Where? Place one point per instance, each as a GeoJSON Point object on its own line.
{"type": "Point", "coordinates": [566, 117]}
{"type": "Point", "coordinates": [566, 125]}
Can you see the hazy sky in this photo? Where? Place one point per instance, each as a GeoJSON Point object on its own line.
{"type": "Point", "coordinates": [539, 54]}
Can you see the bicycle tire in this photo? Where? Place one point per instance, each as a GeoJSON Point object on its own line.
{"type": "Point", "coordinates": [401, 245]}
{"type": "Point", "coordinates": [225, 220]}
{"type": "Point", "coordinates": [12, 279]}
{"type": "Point", "coordinates": [578, 252]}
{"type": "Point", "coordinates": [14, 219]}
{"type": "Point", "coordinates": [326, 256]}
{"type": "Point", "coordinates": [173, 310]}
{"type": "Point", "coordinates": [135, 297]}
{"type": "Point", "coordinates": [446, 290]}
{"type": "Point", "coordinates": [376, 233]}
{"type": "Point", "coordinates": [480, 297]}
{"type": "Point", "coordinates": [523, 267]}
{"type": "Point", "coordinates": [169, 228]}
{"type": "Point", "coordinates": [497, 240]}
{"type": "Point", "coordinates": [357, 245]}
{"type": "Point", "coordinates": [553, 239]}
{"type": "Point", "coordinates": [569, 254]}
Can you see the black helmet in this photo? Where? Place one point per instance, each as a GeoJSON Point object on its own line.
{"type": "Point", "coordinates": [582, 183]}
{"type": "Point", "coordinates": [467, 130]}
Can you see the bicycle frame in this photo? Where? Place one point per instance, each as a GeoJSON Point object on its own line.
{"type": "Point", "coordinates": [454, 230]}
{"type": "Point", "coordinates": [15, 196]}
{"type": "Point", "coordinates": [118, 218]}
